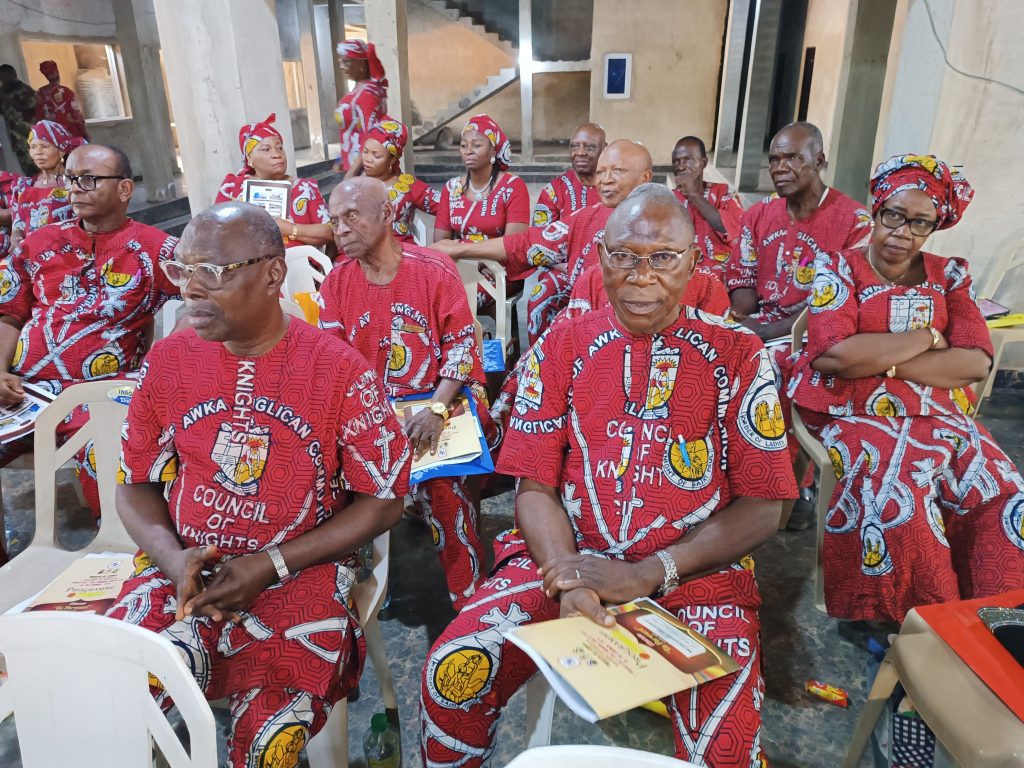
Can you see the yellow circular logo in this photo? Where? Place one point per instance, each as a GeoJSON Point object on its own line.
{"type": "Point", "coordinates": [768, 419]}
{"type": "Point", "coordinates": [462, 674]}
{"type": "Point", "coordinates": [837, 462]}
{"type": "Point", "coordinates": [406, 178]}
{"type": "Point", "coordinates": [396, 360]}
{"type": "Point", "coordinates": [401, 187]}
{"type": "Point", "coordinates": [103, 364]}
{"type": "Point", "coordinates": [282, 751]}
{"type": "Point", "coordinates": [694, 463]}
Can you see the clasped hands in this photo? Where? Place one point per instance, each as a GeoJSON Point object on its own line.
{"type": "Point", "coordinates": [583, 583]}
{"type": "Point", "coordinates": [228, 591]}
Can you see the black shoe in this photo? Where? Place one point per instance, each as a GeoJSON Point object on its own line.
{"type": "Point", "coordinates": [802, 516]}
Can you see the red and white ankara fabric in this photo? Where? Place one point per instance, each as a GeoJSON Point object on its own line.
{"type": "Point", "coordinates": [562, 197]}
{"type": "Point", "coordinates": [715, 246]}
{"type": "Point", "coordinates": [775, 253]}
{"type": "Point", "coordinates": [644, 437]}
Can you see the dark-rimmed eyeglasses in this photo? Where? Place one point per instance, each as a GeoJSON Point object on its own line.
{"type": "Point", "coordinates": [891, 219]}
{"type": "Point", "coordinates": [86, 182]}
{"type": "Point", "coordinates": [657, 260]}
{"type": "Point", "coordinates": [210, 276]}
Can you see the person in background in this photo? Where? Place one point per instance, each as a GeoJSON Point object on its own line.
{"type": "Point", "coordinates": [382, 152]}
{"type": "Point", "coordinates": [7, 182]}
{"type": "Point", "coordinates": [246, 563]}
{"type": "Point", "coordinates": [404, 309]}
{"type": "Point", "coordinates": [57, 102]}
{"type": "Point", "coordinates": [18, 108]}
{"type": "Point", "coordinates": [77, 298]}
{"type": "Point", "coordinates": [362, 107]}
{"type": "Point", "coordinates": [489, 201]}
{"type": "Point", "coordinates": [770, 271]}
{"type": "Point", "coordinates": [263, 157]}
{"type": "Point", "coordinates": [41, 200]}
{"type": "Point", "coordinates": [644, 471]}
{"type": "Point", "coordinates": [927, 507]}
{"type": "Point", "coordinates": [576, 187]}
{"type": "Point", "coordinates": [714, 207]}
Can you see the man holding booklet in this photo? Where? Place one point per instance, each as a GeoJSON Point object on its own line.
{"type": "Point", "coordinates": [651, 460]}
{"type": "Point", "coordinates": [404, 309]}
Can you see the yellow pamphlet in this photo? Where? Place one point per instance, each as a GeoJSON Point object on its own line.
{"type": "Point", "coordinates": [88, 585]}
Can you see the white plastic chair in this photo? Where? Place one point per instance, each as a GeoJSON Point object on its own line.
{"type": "Point", "coordinates": [504, 305]}
{"type": "Point", "coordinates": [78, 686]}
{"type": "Point", "coordinates": [44, 559]}
{"type": "Point", "coordinates": [167, 317]}
{"type": "Point", "coordinates": [329, 748]}
{"type": "Point", "coordinates": [594, 757]}
{"type": "Point", "coordinates": [540, 710]}
{"type": "Point", "coordinates": [814, 451]}
{"type": "Point", "coordinates": [307, 269]}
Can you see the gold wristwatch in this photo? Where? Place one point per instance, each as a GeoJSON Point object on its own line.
{"type": "Point", "coordinates": [439, 409]}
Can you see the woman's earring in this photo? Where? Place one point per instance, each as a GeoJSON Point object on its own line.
{"type": "Point", "coordinates": [492, 160]}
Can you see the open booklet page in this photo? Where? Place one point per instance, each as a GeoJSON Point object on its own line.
{"type": "Point", "coordinates": [460, 438]}
{"type": "Point", "coordinates": [20, 419]}
{"type": "Point", "coordinates": [88, 585]}
{"type": "Point", "coordinates": [602, 671]}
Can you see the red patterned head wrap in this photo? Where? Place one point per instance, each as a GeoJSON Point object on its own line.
{"type": "Point", "coordinates": [249, 137]}
{"type": "Point", "coordinates": [502, 146]}
{"type": "Point", "coordinates": [948, 190]}
{"type": "Point", "coordinates": [56, 134]}
{"type": "Point", "coordinates": [360, 49]}
{"type": "Point", "coordinates": [49, 69]}
{"type": "Point", "coordinates": [391, 133]}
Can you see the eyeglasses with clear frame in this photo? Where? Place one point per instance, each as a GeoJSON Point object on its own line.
{"type": "Point", "coordinates": [891, 219]}
{"type": "Point", "coordinates": [210, 276]}
{"type": "Point", "coordinates": [86, 183]}
{"type": "Point", "coordinates": [659, 260]}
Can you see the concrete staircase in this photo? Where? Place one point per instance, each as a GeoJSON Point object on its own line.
{"type": "Point", "coordinates": [457, 14]}
{"type": "Point", "coordinates": [427, 133]}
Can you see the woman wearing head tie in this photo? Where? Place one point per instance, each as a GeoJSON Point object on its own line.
{"type": "Point", "coordinates": [364, 106]}
{"type": "Point", "coordinates": [382, 151]}
{"type": "Point", "coordinates": [927, 507]}
{"type": "Point", "coordinates": [263, 157]}
{"type": "Point", "coordinates": [42, 199]}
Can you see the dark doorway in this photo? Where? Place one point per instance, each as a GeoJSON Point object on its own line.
{"type": "Point", "coordinates": [805, 85]}
{"type": "Point", "coordinates": [786, 77]}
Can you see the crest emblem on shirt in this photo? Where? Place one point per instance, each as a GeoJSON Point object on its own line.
{"type": "Point", "coordinates": [242, 457]}
{"type": "Point", "coordinates": [828, 292]}
{"type": "Point", "coordinates": [1013, 520]}
{"type": "Point", "coordinates": [661, 380]}
{"type": "Point", "coordinates": [875, 560]}
{"type": "Point", "coordinates": [689, 464]}
{"type": "Point", "coordinates": [883, 403]}
{"type": "Point", "coordinates": [760, 419]}
{"type": "Point", "coordinates": [910, 312]}
{"type": "Point", "coordinates": [531, 389]}
{"type": "Point", "coordinates": [9, 284]}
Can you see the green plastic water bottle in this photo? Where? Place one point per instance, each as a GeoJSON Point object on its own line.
{"type": "Point", "coordinates": [382, 744]}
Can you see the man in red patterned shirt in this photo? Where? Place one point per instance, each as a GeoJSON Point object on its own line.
{"type": "Point", "coordinates": [77, 299]}
{"type": "Point", "coordinates": [553, 257]}
{"type": "Point", "coordinates": [575, 188]}
{"type": "Point", "coordinates": [713, 206]}
{"type": "Point", "coordinates": [650, 459]}
{"type": "Point", "coordinates": [404, 309]}
{"type": "Point", "coordinates": [771, 269]}
{"type": "Point", "coordinates": [271, 483]}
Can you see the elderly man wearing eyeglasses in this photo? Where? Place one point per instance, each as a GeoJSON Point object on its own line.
{"type": "Point", "coordinates": [281, 456]}
{"type": "Point", "coordinates": [646, 467]}
{"type": "Point", "coordinates": [77, 298]}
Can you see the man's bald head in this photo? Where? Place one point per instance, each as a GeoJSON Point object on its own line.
{"type": "Point", "coordinates": [585, 146]}
{"type": "Point", "coordinates": [623, 166]}
{"type": "Point", "coordinates": [240, 230]}
{"type": "Point", "coordinates": [796, 159]}
{"type": "Point", "coordinates": [647, 259]}
{"type": "Point", "coordinates": [361, 216]}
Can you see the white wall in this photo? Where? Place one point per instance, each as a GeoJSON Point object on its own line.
{"type": "Point", "coordinates": [825, 31]}
{"type": "Point", "coordinates": [966, 121]}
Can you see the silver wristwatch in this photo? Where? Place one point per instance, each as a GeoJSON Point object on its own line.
{"type": "Point", "coordinates": [279, 564]}
{"type": "Point", "coordinates": [671, 581]}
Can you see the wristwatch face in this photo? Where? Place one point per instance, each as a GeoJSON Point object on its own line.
{"type": "Point", "coordinates": [439, 409]}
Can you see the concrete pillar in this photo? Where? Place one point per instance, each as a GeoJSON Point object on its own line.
{"type": "Point", "coordinates": [732, 76]}
{"type": "Point", "coordinates": [757, 100]}
{"type": "Point", "coordinates": [336, 14]}
{"type": "Point", "coordinates": [325, 57]}
{"type": "Point", "coordinates": [311, 76]}
{"type": "Point", "coordinates": [223, 60]}
{"type": "Point", "coordinates": [526, 77]}
{"type": "Point", "coordinates": [140, 52]}
{"type": "Point", "coordinates": [386, 28]}
{"type": "Point", "coordinates": [861, 84]}
{"type": "Point", "coordinates": [10, 50]}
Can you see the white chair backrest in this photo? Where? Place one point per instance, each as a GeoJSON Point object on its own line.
{"type": "Point", "coordinates": [593, 757]}
{"type": "Point", "coordinates": [798, 331]}
{"type": "Point", "coordinates": [421, 233]}
{"type": "Point", "coordinates": [167, 317]}
{"type": "Point", "coordinates": [307, 269]}
{"type": "Point", "coordinates": [79, 689]}
{"type": "Point", "coordinates": [103, 428]}
{"type": "Point", "coordinates": [472, 279]}
{"type": "Point", "coordinates": [1009, 256]}
{"type": "Point", "coordinates": [291, 308]}
{"type": "Point", "coordinates": [369, 594]}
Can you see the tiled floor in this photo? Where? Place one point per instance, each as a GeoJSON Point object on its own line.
{"type": "Point", "coordinates": [799, 641]}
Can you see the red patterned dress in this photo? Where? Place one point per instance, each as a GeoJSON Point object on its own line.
{"type": "Point", "coordinates": [415, 331]}
{"type": "Point", "coordinates": [645, 437]}
{"type": "Point", "coordinates": [715, 246]}
{"type": "Point", "coordinates": [775, 253]}
{"type": "Point", "coordinates": [408, 195]}
{"type": "Point", "coordinates": [562, 197]}
{"type": "Point", "coordinates": [927, 507]}
{"type": "Point", "coordinates": [35, 207]}
{"type": "Point", "coordinates": [359, 109]}
{"type": "Point", "coordinates": [475, 220]}
{"type": "Point", "coordinates": [7, 181]}
{"type": "Point", "coordinates": [535, 254]}
{"type": "Point", "coordinates": [87, 302]}
{"type": "Point", "coordinates": [256, 457]}
{"type": "Point", "coordinates": [57, 102]}
{"type": "Point", "coordinates": [305, 203]}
